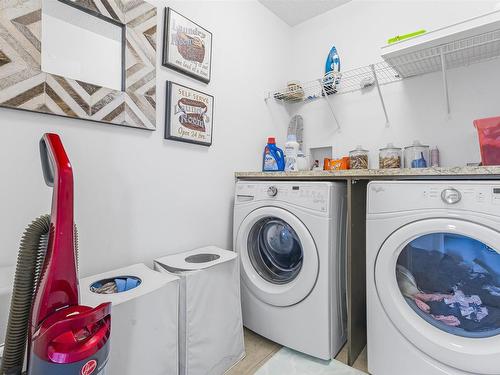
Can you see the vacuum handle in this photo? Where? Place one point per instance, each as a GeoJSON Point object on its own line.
{"type": "Point", "coordinates": [55, 161]}
{"type": "Point", "coordinates": [47, 163]}
{"type": "Point", "coordinates": [58, 285]}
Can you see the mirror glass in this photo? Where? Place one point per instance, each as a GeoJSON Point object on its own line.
{"type": "Point", "coordinates": [82, 46]}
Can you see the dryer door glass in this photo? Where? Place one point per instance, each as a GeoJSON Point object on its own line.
{"type": "Point", "coordinates": [453, 282]}
{"type": "Point", "coordinates": [275, 250]}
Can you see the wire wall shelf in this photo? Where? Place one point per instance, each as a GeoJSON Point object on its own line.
{"type": "Point", "coordinates": [462, 52]}
{"type": "Point", "coordinates": [454, 54]}
{"type": "Point", "coordinates": [337, 83]}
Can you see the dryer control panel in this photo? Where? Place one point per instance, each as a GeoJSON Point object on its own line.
{"type": "Point", "coordinates": [398, 196]}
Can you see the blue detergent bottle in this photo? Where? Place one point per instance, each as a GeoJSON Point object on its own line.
{"type": "Point", "coordinates": [274, 158]}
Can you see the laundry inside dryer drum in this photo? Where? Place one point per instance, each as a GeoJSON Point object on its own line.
{"type": "Point", "coordinates": [452, 282]}
{"type": "Point", "coordinates": [275, 250]}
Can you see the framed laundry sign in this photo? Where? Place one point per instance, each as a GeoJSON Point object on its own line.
{"type": "Point", "coordinates": [187, 47]}
{"type": "Point", "coordinates": [189, 115]}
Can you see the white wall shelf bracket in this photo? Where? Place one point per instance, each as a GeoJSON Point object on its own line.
{"type": "Point", "coordinates": [375, 77]}
{"type": "Point", "coordinates": [267, 96]}
{"type": "Point", "coordinates": [445, 81]}
{"type": "Point", "coordinates": [325, 95]}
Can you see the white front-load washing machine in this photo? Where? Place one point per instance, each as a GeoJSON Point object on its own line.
{"type": "Point", "coordinates": [291, 241]}
{"type": "Point", "coordinates": [433, 277]}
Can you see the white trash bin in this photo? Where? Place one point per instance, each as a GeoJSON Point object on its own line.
{"type": "Point", "coordinates": [210, 322]}
{"type": "Point", "coordinates": [144, 321]}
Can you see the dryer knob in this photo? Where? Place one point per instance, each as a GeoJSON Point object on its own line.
{"type": "Point", "coordinates": [272, 191]}
{"type": "Point", "coordinates": [451, 196]}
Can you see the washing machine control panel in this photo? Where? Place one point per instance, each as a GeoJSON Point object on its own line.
{"type": "Point", "coordinates": [471, 196]}
{"type": "Point", "coordinates": [315, 197]}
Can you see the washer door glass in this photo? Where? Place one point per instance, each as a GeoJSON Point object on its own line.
{"type": "Point", "coordinates": [438, 283]}
{"type": "Point", "coordinates": [275, 250]}
{"type": "Point", "coordinates": [278, 255]}
{"type": "Point", "coordinates": [453, 282]}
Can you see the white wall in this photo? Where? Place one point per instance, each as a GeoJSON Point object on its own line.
{"type": "Point", "coordinates": [137, 195]}
{"type": "Point", "coordinates": [416, 106]}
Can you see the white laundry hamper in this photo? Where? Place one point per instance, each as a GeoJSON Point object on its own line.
{"type": "Point", "coordinates": [144, 321]}
{"type": "Point", "coordinates": [210, 321]}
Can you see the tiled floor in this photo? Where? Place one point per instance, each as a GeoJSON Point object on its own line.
{"type": "Point", "coordinates": [259, 350]}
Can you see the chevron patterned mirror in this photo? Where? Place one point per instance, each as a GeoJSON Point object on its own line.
{"type": "Point", "coordinates": [81, 45]}
{"type": "Point", "coordinates": [87, 59]}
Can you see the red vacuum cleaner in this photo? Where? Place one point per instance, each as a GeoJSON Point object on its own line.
{"type": "Point", "coordinates": [62, 336]}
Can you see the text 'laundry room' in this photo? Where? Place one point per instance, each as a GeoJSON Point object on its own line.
{"type": "Point", "coordinates": [250, 187]}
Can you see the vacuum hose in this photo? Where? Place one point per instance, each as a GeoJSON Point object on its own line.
{"type": "Point", "coordinates": [28, 271]}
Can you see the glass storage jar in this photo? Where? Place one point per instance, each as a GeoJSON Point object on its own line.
{"type": "Point", "coordinates": [417, 155]}
{"type": "Point", "coordinates": [390, 157]}
{"type": "Point", "coordinates": [358, 158]}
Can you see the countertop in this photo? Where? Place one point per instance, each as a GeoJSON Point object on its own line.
{"type": "Point", "coordinates": [490, 172]}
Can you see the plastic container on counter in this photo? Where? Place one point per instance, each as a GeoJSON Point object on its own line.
{"type": "Point", "coordinates": [489, 140]}
{"type": "Point", "coordinates": [435, 162]}
{"type": "Point", "coordinates": [291, 153]}
{"type": "Point", "coordinates": [326, 164]}
{"type": "Point", "coordinates": [339, 164]}
{"type": "Point", "coordinates": [358, 158]}
{"type": "Point", "coordinates": [417, 155]}
{"type": "Point", "coordinates": [302, 163]}
{"type": "Point", "coordinates": [390, 157]}
{"type": "Point", "coordinates": [273, 159]}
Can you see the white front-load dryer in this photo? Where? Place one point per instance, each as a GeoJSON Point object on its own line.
{"type": "Point", "coordinates": [433, 278]}
{"type": "Point", "coordinates": [291, 241]}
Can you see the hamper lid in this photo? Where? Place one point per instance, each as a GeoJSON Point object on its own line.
{"type": "Point", "coordinates": [148, 282]}
{"type": "Point", "coordinates": [197, 259]}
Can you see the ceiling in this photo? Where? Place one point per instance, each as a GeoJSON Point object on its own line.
{"type": "Point", "coordinates": [294, 12]}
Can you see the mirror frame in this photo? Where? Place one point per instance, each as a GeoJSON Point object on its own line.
{"type": "Point", "coordinates": [23, 85]}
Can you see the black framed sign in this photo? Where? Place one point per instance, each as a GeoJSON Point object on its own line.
{"type": "Point", "coordinates": [189, 115]}
{"type": "Point", "coordinates": [187, 47]}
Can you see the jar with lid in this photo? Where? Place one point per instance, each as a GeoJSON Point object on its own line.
{"type": "Point", "coordinates": [358, 158]}
{"type": "Point", "coordinates": [390, 157]}
{"type": "Point", "coordinates": [417, 155]}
